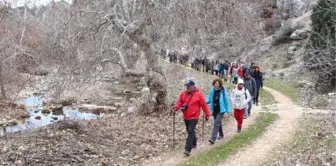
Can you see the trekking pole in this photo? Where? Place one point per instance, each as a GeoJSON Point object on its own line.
{"type": "Point", "coordinates": [203, 126]}
{"type": "Point", "coordinates": [173, 129]}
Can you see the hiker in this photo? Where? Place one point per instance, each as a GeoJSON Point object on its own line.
{"type": "Point", "coordinates": [240, 97]}
{"type": "Point", "coordinates": [250, 85]}
{"type": "Point", "coordinates": [252, 68]}
{"type": "Point", "coordinates": [213, 67]}
{"type": "Point", "coordinates": [231, 72]}
{"type": "Point", "coordinates": [225, 70]}
{"type": "Point", "coordinates": [220, 106]}
{"type": "Point", "coordinates": [240, 71]}
{"type": "Point", "coordinates": [235, 74]}
{"type": "Point", "coordinates": [257, 75]}
{"type": "Point", "coordinates": [190, 102]}
{"type": "Point", "coordinates": [218, 69]}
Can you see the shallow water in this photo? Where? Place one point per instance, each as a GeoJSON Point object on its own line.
{"type": "Point", "coordinates": [34, 105]}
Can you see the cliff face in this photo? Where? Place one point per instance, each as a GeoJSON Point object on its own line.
{"type": "Point", "coordinates": [281, 53]}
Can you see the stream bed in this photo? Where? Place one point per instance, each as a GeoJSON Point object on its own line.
{"type": "Point", "coordinates": [37, 118]}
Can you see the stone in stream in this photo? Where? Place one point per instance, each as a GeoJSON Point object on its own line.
{"type": "Point", "coordinates": [58, 110]}
{"type": "Point", "coordinates": [25, 115]}
{"type": "Point", "coordinates": [45, 111]}
{"type": "Point", "coordinates": [38, 117]}
{"type": "Point", "coordinates": [55, 118]}
{"type": "Point", "coordinates": [12, 123]}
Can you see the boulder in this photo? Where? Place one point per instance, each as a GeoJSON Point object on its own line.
{"type": "Point", "coordinates": [299, 34]}
{"type": "Point", "coordinates": [292, 49]}
{"type": "Point", "coordinates": [131, 109]}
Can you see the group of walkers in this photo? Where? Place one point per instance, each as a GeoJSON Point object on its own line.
{"type": "Point", "coordinates": [248, 81]}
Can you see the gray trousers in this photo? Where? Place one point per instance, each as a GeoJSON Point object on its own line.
{"type": "Point", "coordinates": [217, 127]}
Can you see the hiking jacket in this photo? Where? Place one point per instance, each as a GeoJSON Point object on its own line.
{"type": "Point", "coordinates": [224, 103]}
{"type": "Point", "coordinates": [251, 86]}
{"type": "Point", "coordinates": [240, 72]}
{"type": "Point", "coordinates": [195, 100]}
{"type": "Point", "coordinates": [240, 98]}
{"type": "Point", "coordinates": [231, 69]}
{"type": "Point", "coordinates": [225, 66]}
{"type": "Point", "coordinates": [219, 67]}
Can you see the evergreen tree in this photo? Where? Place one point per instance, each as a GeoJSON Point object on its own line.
{"type": "Point", "coordinates": [321, 49]}
{"type": "Point", "coordinates": [323, 24]}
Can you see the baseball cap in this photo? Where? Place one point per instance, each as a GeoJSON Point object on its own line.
{"type": "Point", "coordinates": [190, 83]}
{"type": "Point", "coordinates": [240, 81]}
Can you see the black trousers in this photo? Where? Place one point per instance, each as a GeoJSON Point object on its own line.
{"type": "Point", "coordinates": [191, 139]}
{"type": "Point", "coordinates": [256, 100]}
{"type": "Point", "coordinates": [235, 80]}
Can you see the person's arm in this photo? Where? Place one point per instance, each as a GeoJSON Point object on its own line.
{"type": "Point", "coordinates": [227, 102]}
{"type": "Point", "coordinates": [208, 101]}
{"type": "Point", "coordinates": [179, 102]}
{"type": "Point", "coordinates": [254, 88]}
{"type": "Point", "coordinates": [261, 80]}
{"type": "Point", "coordinates": [204, 106]}
{"type": "Point", "coordinates": [232, 96]}
{"type": "Point", "coordinates": [248, 97]}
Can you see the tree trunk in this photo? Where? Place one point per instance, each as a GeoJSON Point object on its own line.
{"type": "Point", "coordinates": [154, 76]}
{"type": "Point", "coordinates": [2, 86]}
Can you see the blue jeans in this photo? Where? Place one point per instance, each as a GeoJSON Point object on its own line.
{"type": "Point", "coordinates": [249, 107]}
{"type": "Point", "coordinates": [225, 74]}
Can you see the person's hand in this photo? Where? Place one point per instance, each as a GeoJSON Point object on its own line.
{"type": "Point", "coordinates": [206, 118]}
{"type": "Point", "coordinates": [226, 115]}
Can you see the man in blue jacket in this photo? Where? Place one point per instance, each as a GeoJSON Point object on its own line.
{"type": "Point", "coordinates": [218, 100]}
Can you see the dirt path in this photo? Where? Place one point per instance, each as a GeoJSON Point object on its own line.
{"type": "Point", "coordinates": [276, 135]}
{"type": "Point", "coordinates": [177, 157]}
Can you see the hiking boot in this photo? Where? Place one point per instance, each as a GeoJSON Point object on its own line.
{"type": "Point", "coordinates": [211, 142]}
{"type": "Point", "coordinates": [249, 114]}
{"type": "Point", "coordinates": [220, 137]}
{"type": "Point", "coordinates": [245, 116]}
{"type": "Point", "coordinates": [186, 153]}
{"type": "Point", "coordinates": [238, 130]}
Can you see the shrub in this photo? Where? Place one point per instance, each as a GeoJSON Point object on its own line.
{"type": "Point", "coordinates": [321, 49]}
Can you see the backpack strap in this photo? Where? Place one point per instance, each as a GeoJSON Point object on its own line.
{"type": "Point", "coordinates": [245, 94]}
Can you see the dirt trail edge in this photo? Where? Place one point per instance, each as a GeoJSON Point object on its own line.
{"type": "Point", "coordinates": [177, 157]}
{"type": "Point", "coordinates": [276, 135]}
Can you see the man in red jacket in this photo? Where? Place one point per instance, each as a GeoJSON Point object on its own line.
{"type": "Point", "coordinates": [190, 102]}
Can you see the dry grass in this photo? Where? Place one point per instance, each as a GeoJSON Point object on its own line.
{"type": "Point", "coordinates": [314, 144]}
{"type": "Point", "coordinates": [10, 112]}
